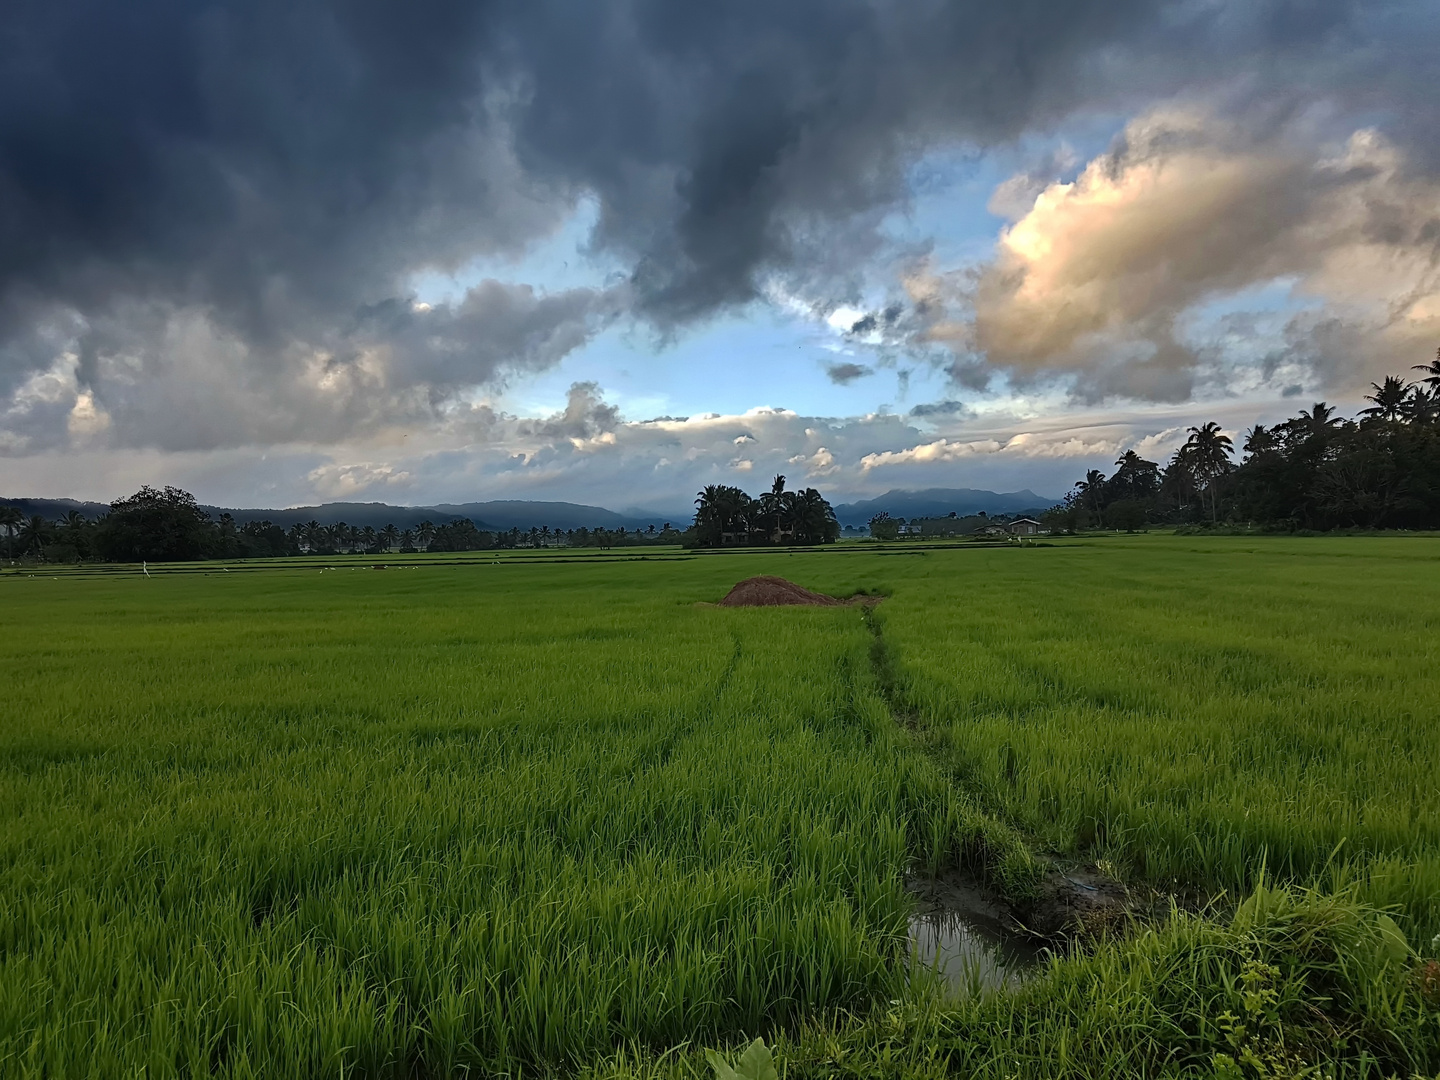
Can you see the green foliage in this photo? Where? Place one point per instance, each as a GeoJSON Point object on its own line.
{"type": "Point", "coordinates": [1193, 709]}
{"type": "Point", "coordinates": [157, 526]}
{"type": "Point", "coordinates": [884, 527]}
{"type": "Point", "coordinates": [1315, 471]}
{"type": "Point", "coordinates": [1299, 985]}
{"type": "Point", "coordinates": [726, 515]}
{"type": "Point", "coordinates": [754, 1064]}
{"type": "Point", "coordinates": [1128, 515]}
{"type": "Point", "coordinates": [283, 821]}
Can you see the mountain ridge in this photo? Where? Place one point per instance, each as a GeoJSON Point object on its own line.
{"type": "Point", "coordinates": [504, 514]}
{"type": "Point", "coordinates": [494, 515]}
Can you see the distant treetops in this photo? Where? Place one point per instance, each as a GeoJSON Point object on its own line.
{"type": "Point", "coordinates": [1316, 470]}
{"type": "Point", "coordinates": [167, 525]}
{"type": "Point", "coordinates": [726, 516]}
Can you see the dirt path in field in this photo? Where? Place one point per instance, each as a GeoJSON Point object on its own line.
{"type": "Point", "coordinates": [1070, 902]}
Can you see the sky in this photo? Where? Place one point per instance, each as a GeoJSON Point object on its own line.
{"type": "Point", "coordinates": [283, 253]}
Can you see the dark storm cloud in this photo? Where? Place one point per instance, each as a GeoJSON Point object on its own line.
{"type": "Point", "coordinates": [948, 407]}
{"type": "Point", "coordinates": [254, 183]}
{"type": "Point", "coordinates": [842, 374]}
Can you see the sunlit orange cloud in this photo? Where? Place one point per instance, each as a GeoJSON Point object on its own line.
{"type": "Point", "coordinates": [1097, 273]}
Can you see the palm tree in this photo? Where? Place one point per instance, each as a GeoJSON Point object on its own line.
{"type": "Point", "coordinates": [1432, 371]}
{"type": "Point", "coordinates": [425, 532]}
{"type": "Point", "coordinates": [1092, 493]}
{"type": "Point", "coordinates": [789, 510]}
{"type": "Point", "coordinates": [75, 525]}
{"type": "Point", "coordinates": [719, 509]}
{"type": "Point", "coordinates": [814, 518]}
{"type": "Point", "coordinates": [1389, 398]}
{"type": "Point", "coordinates": [1179, 477]}
{"type": "Point", "coordinates": [1210, 458]}
{"type": "Point", "coordinates": [1315, 424]}
{"type": "Point", "coordinates": [1136, 478]}
{"type": "Point", "coordinates": [314, 534]}
{"type": "Point", "coordinates": [1260, 440]}
{"type": "Point", "coordinates": [10, 519]}
{"type": "Point", "coordinates": [33, 533]}
{"type": "Point", "coordinates": [773, 506]}
{"type": "Point", "coordinates": [1422, 406]}
{"type": "Point", "coordinates": [390, 535]}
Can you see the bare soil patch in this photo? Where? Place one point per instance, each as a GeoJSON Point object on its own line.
{"type": "Point", "coordinates": [769, 591]}
{"type": "Point", "coordinates": [1077, 903]}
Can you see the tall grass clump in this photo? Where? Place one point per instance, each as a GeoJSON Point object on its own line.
{"type": "Point", "coordinates": [1293, 984]}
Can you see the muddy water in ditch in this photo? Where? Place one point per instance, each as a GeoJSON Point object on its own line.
{"type": "Point", "coordinates": [961, 934]}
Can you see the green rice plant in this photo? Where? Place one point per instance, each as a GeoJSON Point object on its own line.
{"type": "Point", "coordinates": [1297, 984]}
{"type": "Point", "coordinates": [280, 825]}
{"type": "Point", "coordinates": [524, 815]}
{"type": "Point", "coordinates": [1194, 710]}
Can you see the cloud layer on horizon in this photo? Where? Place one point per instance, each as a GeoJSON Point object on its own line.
{"type": "Point", "coordinates": [589, 452]}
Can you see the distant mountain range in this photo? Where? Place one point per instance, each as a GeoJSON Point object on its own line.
{"type": "Point", "coordinates": [496, 515]}
{"type": "Point", "coordinates": [941, 502]}
{"type": "Point", "coordinates": [517, 513]}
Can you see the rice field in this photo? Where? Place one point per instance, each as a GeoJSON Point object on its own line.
{"type": "Point", "coordinates": [530, 815]}
{"type": "Point", "coordinates": [1195, 711]}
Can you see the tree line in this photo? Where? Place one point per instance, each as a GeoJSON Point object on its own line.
{"type": "Point", "coordinates": [165, 525]}
{"type": "Point", "coordinates": [726, 516]}
{"type": "Point", "coordinates": [1314, 471]}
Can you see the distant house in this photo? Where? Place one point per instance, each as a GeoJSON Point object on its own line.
{"type": "Point", "coordinates": [1025, 527]}
{"type": "Point", "coordinates": [991, 530]}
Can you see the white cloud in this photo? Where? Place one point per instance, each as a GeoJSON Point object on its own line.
{"type": "Point", "coordinates": [342, 482]}
{"type": "Point", "coordinates": [1097, 280]}
{"type": "Point", "coordinates": [85, 418]}
{"type": "Point", "coordinates": [588, 453]}
{"type": "Point", "coordinates": [843, 318]}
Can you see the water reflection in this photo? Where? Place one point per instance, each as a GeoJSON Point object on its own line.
{"type": "Point", "coordinates": [962, 935]}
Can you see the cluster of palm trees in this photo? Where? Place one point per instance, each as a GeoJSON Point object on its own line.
{"type": "Point", "coordinates": [1315, 470]}
{"type": "Point", "coordinates": [1195, 469]}
{"type": "Point", "coordinates": [341, 538]}
{"type": "Point", "coordinates": [29, 535]}
{"type": "Point", "coordinates": [726, 515]}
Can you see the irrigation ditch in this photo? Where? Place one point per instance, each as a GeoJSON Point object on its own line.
{"type": "Point", "coordinates": [975, 932]}
{"type": "Point", "coordinates": [965, 925]}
